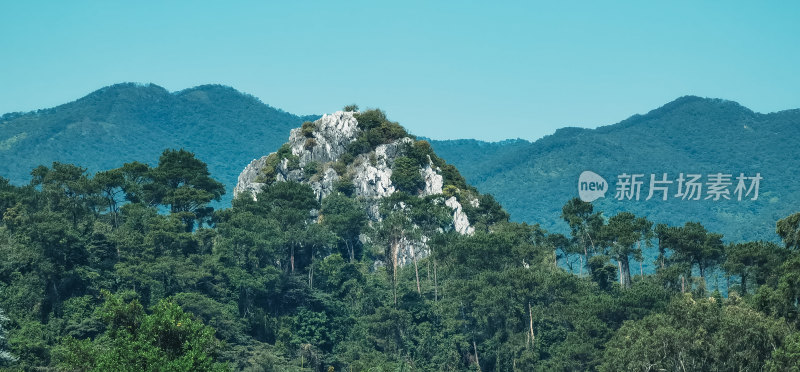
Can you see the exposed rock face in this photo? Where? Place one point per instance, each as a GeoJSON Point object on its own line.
{"type": "Point", "coordinates": [247, 179]}
{"type": "Point", "coordinates": [433, 180]}
{"type": "Point", "coordinates": [371, 174]}
{"type": "Point", "coordinates": [460, 220]}
{"type": "Point", "coordinates": [332, 133]}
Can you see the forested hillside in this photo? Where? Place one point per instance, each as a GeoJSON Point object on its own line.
{"type": "Point", "coordinates": [122, 122]}
{"type": "Point", "coordinates": [688, 135]}
{"type": "Point", "coordinates": [131, 269]}
{"type": "Point", "coordinates": [228, 129]}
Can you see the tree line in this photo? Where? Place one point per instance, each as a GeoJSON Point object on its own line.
{"type": "Point", "coordinates": [131, 269]}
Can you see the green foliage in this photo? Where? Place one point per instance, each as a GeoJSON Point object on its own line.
{"type": "Point", "coordinates": [487, 212]}
{"type": "Point", "coordinates": [345, 218]}
{"type": "Point", "coordinates": [308, 129]}
{"type": "Point", "coordinates": [449, 191]}
{"type": "Point", "coordinates": [692, 134]}
{"type": "Point", "coordinates": [786, 357]}
{"type": "Point", "coordinates": [696, 335]}
{"type": "Point", "coordinates": [603, 273]}
{"type": "Point", "coordinates": [376, 130]}
{"type": "Point", "coordinates": [350, 108]}
{"type": "Point", "coordinates": [339, 167]}
{"type": "Point", "coordinates": [344, 185]}
{"type": "Point", "coordinates": [420, 151]}
{"type": "Point", "coordinates": [624, 235]}
{"type": "Point", "coordinates": [222, 126]}
{"type": "Point", "coordinates": [371, 119]}
{"type": "Point", "coordinates": [693, 245]}
{"type": "Point", "coordinates": [309, 144]}
{"type": "Point", "coordinates": [452, 177]}
{"type": "Point", "coordinates": [285, 152]}
{"type": "Point", "coordinates": [274, 161]}
{"type": "Point", "coordinates": [6, 358]}
{"type": "Point", "coordinates": [754, 261]}
{"type": "Point", "coordinates": [406, 175]}
{"type": "Point", "coordinates": [789, 230]}
{"type": "Point", "coordinates": [311, 168]}
{"type": "Point", "coordinates": [98, 274]}
{"type": "Point", "coordinates": [183, 183]}
{"type": "Point", "coordinates": [166, 340]}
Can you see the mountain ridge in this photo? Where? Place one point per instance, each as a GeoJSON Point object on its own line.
{"type": "Point", "coordinates": [689, 134]}
{"type": "Point", "coordinates": [137, 121]}
{"type": "Point", "coordinates": [532, 179]}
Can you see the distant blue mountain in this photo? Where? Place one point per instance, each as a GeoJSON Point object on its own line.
{"type": "Point", "coordinates": [533, 180]}
{"type": "Point", "coordinates": [126, 122]}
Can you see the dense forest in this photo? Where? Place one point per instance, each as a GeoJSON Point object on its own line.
{"type": "Point", "coordinates": [128, 121]}
{"type": "Point", "coordinates": [687, 135]}
{"type": "Point", "coordinates": [531, 179]}
{"type": "Point", "coordinates": [131, 269]}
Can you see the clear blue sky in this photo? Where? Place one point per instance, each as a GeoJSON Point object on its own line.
{"type": "Point", "coordinates": [459, 69]}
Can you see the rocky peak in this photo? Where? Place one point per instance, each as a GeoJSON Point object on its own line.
{"type": "Point", "coordinates": [317, 146]}
{"type": "Point", "coordinates": [336, 152]}
{"type": "Point", "coordinates": [326, 140]}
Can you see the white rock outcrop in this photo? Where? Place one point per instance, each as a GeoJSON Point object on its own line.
{"type": "Point", "coordinates": [460, 220]}
{"type": "Point", "coordinates": [332, 133]}
{"type": "Point", "coordinates": [247, 179]}
{"type": "Point", "coordinates": [433, 180]}
{"type": "Point", "coordinates": [370, 173]}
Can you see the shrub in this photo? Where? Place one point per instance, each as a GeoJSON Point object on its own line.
{"type": "Point", "coordinates": [345, 186]}
{"type": "Point", "coordinates": [406, 176]}
{"type": "Point", "coordinates": [419, 151]}
{"type": "Point", "coordinates": [450, 190]}
{"type": "Point", "coordinates": [311, 168]}
{"type": "Point", "coordinates": [308, 129]}
{"type": "Point", "coordinates": [346, 158]}
{"type": "Point", "coordinates": [370, 119]}
{"type": "Point", "coordinates": [310, 143]}
{"type": "Point", "coordinates": [274, 160]}
{"type": "Point", "coordinates": [359, 146]}
{"type": "Point", "coordinates": [339, 167]}
{"type": "Point", "coordinates": [451, 176]}
{"type": "Point", "coordinates": [376, 130]}
{"type": "Point", "coordinates": [351, 108]}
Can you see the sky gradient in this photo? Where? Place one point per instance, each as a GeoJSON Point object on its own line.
{"type": "Point", "coordinates": [444, 70]}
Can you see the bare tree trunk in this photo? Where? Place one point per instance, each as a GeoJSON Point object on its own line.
{"type": "Point", "coordinates": [395, 247]}
{"type": "Point", "coordinates": [619, 267]}
{"type": "Point", "coordinates": [580, 269]}
{"type": "Point", "coordinates": [429, 271]}
{"type": "Point", "coordinates": [477, 361]}
{"type": "Point", "coordinates": [416, 268]}
{"type": "Point", "coordinates": [590, 239]}
{"type": "Point", "coordinates": [584, 258]}
{"type": "Point", "coordinates": [350, 249]}
{"type": "Point", "coordinates": [625, 272]}
{"type": "Point", "coordinates": [641, 269]}
{"type": "Point", "coordinates": [291, 258]}
{"type": "Point", "coordinates": [435, 284]}
{"type": "Point", "coordinates": [683, 284]}
{"type": "Point", "coordinates": [530, 315]}
{"type": "Point", "coordinates": [311, 272]}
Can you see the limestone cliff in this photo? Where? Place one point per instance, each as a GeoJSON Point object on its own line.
{"type": "Point", "coordinates": [321, 154]}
